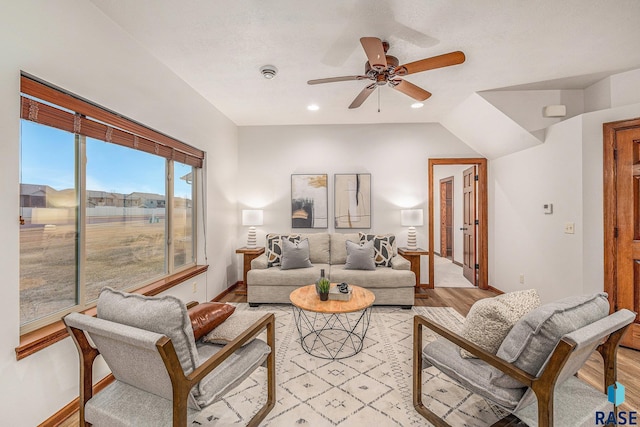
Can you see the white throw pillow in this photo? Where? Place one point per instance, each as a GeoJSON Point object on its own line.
{"type": "Point", "coordinates": [490, 319]}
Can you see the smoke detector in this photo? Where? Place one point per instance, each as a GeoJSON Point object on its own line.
{"type": "Point", "coordinates": [268, 71]}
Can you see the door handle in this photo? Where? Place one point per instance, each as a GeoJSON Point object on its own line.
{"type": "Point", "coordinates": [463, 228]}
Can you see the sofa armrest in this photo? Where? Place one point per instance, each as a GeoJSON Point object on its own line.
{"type": "Point", "coordinates": [260, 262]}
{"type": "Point", "coordinates": [399, 262]}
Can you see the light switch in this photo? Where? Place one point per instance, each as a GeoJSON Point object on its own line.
{"type": "Point", "coordinates": [548, 208]}
{"type": "Point", "coordinates": [569, 228]}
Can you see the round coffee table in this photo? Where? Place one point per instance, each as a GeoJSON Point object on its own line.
{"type": "Point", "coordinates": [332, 329]}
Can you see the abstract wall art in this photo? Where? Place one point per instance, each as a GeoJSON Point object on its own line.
{"type": "Point", "coordinates": [309, 201]}
{"type": "Point", "coordinates": [352, 200]}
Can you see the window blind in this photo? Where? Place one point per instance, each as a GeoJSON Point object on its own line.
{"type": "Point", "coordinates": [96, 122]}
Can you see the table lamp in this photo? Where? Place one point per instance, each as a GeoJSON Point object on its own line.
{"type": "Point", "coordinates": [411, 218]}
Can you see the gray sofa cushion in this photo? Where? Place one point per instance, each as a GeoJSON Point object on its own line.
{"type": "Point", "coordinates": [473, 374]}
{"type": "Point", "coordinates": [319, 247]}
{"type": "Point", "coordinates": [533, 338]}
{"type": "Point", "coordinates": [295, 254]}
{"type": "Point", "coordinates": [399, 262]}
{"type": "Point", "coordinates": [275, 276]}
{"type": "Point", "coordinates": [381, 277]}
{"type": "Point", "coordinates": [164, 315]}
{"type": "Point", "coordinates": [360, 257]}
{"type": "Point", "coordinates": [273, 249]}
{"type": "Point", "coordinates": [339, 246]}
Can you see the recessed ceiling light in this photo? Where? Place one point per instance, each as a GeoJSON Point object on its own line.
{"type": "Point", "coordinates": [417, 105]}
{"type": "Point", "coordinates": [313, 107]}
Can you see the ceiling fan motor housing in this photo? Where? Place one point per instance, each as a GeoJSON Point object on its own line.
{"type": "Point", "coordinates": [392, 63]}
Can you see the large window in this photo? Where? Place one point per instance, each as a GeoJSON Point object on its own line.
{"type": "Point", "coordinates": [104, 201]}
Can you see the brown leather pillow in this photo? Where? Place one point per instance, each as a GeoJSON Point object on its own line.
{"type": "Point", "coordinates": [207, 315]}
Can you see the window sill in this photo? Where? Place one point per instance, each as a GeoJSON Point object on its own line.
{"type": "Point", "coordinates": [39, 339]}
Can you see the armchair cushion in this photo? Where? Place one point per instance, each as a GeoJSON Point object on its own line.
{"type": "Point", "coordinates": [207, 315]}
{"type": "Point", "coordinates": [534, 337]}
{"type": "Point", "coordinates": [295, 254]}
{"type": "Point", "coordinates": [164, 315]}
{"type": "Point", "coordinates": [474, 374]}
{"type": "Point", "coordinates": [232, 371]}
{"type": "Point", "coordinates": [235, 325]}
{"type": "Point", "coordinates": [490, 319]}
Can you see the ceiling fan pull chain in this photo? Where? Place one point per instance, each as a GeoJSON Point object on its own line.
{"type": "Point", "coordinates": [378, 99]}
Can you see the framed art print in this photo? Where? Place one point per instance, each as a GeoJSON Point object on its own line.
{"type": "Point", "coordinates": [352, 200]}
{"type": "Point", "coordinates": [309, 201]}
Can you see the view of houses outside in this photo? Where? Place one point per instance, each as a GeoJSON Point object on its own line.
{"type": "Point", "coordinates": [126, 229]}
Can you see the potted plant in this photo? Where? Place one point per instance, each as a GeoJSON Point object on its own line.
{"type": "Point", "coordinates": [323, 289]}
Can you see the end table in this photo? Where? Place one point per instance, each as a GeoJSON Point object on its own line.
{"type": "Point", "coordinates": [413, 255]}
{"type": "Point", "coordinates": [249, 255]}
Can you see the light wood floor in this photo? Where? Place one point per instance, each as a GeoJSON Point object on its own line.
{"type": "Point", "coordinates": [462, 299]}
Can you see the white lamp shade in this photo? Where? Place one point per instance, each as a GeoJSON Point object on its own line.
{"type": "Point", "coordinates": [252, 217]}
{"type": "Point", "coordinates": [411, 217]}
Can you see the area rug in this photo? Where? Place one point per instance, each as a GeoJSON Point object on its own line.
{"type": "Point", "coordinates": [371, 388]}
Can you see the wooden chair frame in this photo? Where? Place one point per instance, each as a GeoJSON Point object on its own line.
{"type": "Point", "coordinates": [182, 384]}
{"type": "Point", "coordinates": [542, 385]}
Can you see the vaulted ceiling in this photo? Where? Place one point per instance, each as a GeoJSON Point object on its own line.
{"type": "Point", "coordinates": [218, 48]}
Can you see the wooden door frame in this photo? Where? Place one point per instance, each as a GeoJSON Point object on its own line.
{"type": "Point", "coordinates": [609, 131]}
{"type": "Point", "coordinates": [442, 181]}
{"type": "Point", "coordinates": [482, 212]}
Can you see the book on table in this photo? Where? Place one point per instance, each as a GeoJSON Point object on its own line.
{"type": "Point", "coordinates": [336, 295]}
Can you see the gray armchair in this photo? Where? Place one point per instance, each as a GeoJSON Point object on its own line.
{"type": "Point", "coordinates": [162, 376]}
{"type": "Point", "coordinates": [532, 375]}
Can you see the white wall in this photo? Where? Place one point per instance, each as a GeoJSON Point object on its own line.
{"type": "Point", "coordinates": [522, 239]}
{"type": "Point", "coordinates": [440, 172]}
{"type": "Point", "coordinates": [72, 45]}
{"type": "Point", "coordinates": [567, 171]}
{"type": "Point", "coordinates": [526, 106]}
{"type": "Point", "coordinates": [395, 155]}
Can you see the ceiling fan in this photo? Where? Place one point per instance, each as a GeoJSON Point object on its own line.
{"type": "Point", "coordinates": [385, 69]}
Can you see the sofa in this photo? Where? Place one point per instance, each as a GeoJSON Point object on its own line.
{"type": "Point", "coordinates": [391, 285]}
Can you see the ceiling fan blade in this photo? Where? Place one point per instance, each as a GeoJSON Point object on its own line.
{"type": "Point", "coordinates": [375, 52]}
{"type": "Point", "coordinates": [452, 58]}
{"type": "Point", "coordinates": [362, 96]}
{"type": "Point", "coordinates": [336, 79]}
{"type": "Point", "coordinates": [410, 89]}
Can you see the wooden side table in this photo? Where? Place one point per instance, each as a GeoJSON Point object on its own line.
{"type": "Point", "coordinates": [413, 255]}
{"type": "Point", "coordinates": [249, 255]}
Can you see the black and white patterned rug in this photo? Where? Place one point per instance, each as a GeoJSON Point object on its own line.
{"type": "Point", "coordinates": [371, 388]}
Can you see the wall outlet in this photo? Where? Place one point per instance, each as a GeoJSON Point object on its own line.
{"type": "Point", "coordinates": [569, 228]}
{"type": "Point", "coordinates": [522, 279]}
{"type": "Point", "coordinates": [195, 287]}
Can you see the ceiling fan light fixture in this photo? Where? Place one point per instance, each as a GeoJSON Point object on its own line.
{"type": "Point", "coordinates": [417, 105]}
{"type": "Point", "coordinates": [268, 71]}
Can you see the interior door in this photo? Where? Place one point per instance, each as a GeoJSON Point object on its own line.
{"type": "Point", "coordinates": [446, 218]}
{"type": "Point", "coordinates": [443, 221]}
{"type": "Point", "coordinates": [469, 224]}
{"type": "Point", "coordinates": [622, 224]}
